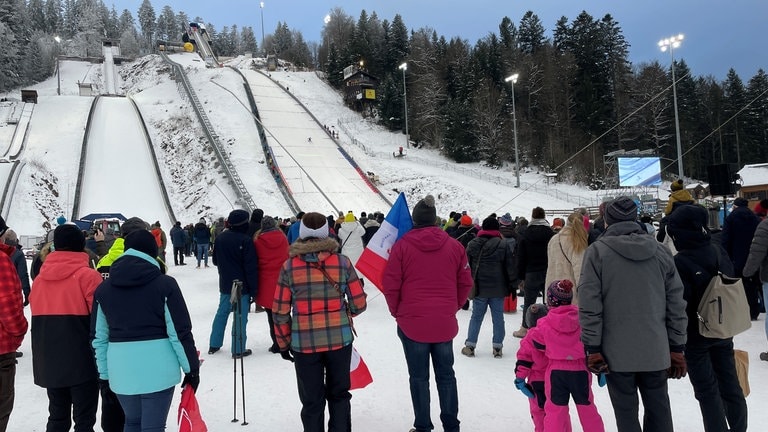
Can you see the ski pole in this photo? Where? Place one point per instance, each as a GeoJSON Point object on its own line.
{"type": "Point", "coordinates": [233, 301]}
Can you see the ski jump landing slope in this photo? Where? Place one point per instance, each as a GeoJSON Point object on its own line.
{"type": "Point", "coordinates": [119, 175]}
{"type": "Point", "coordinates": [318, 175]}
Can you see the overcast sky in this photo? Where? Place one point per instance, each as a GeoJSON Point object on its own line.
{"type": "Point", "coordinates": [719, 34]}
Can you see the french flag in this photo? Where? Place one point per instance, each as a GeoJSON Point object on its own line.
{"type": "Point", "coordinates": [359, 375]}
{"type": "Point", "coordinates": [376, 254]}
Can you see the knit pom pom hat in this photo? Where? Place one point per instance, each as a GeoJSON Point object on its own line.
{"type": "Point", "coordinates": [676, 185]}
{"type": "Point", "coordinates": [559, 293]}
{"type": "Point", "coordinates": [424, 212]}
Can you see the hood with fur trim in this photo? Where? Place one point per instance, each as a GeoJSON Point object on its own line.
{"type": "Point", "coordinates": [303, 247]}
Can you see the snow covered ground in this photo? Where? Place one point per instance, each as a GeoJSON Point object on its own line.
{"type": "Point", "coordinates": [487, 398]}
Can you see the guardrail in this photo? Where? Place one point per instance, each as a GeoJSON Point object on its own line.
{"type": "Point", "coordinates": [183, 82]}
{"type": "Point", "coordinates": [81, 165]}
{"type": "Point", "coordinates": [268, 156]}
{"type": "Point", "coordinates": [349, 158]}
{"type": "Point", "coordinates": [163, 191]}
{"type": "Point", "coordinates": [10, 185]}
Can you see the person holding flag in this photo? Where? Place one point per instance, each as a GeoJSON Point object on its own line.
{"type": "Point", "coordinates": [426, 281]}
{"type": "Point", "coordinates": [374, 258]}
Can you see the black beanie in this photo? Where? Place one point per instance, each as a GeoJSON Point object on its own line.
{"type": "Point", "coordinates": [622, 209]}
{"type": "Point", "coordinates": [131, 225]}
{"type": "Point", "coordinates": [256, 216]}
{"type": "Point", "coordinates": [491, 223]}
{"type": "Point", "coordinates": [142, 241]}
{"type": "Point", "coordinates": [424, 213]}
{"type": "Point", "coordinates": [68, 237]}
{"type": "Point", "coordinates": [238, 220]}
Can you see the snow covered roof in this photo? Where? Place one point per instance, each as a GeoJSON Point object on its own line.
{"type": "Point", "coordinates": [754, 175]}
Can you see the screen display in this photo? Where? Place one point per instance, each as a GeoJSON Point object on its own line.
{"type": "Point", "coordinates": [639, 171]}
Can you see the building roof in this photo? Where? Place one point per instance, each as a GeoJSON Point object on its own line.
{"type": "Point", "coordinates": [754, 175]}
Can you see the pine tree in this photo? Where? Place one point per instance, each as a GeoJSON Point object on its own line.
{"type": "Point", "coordinates": [755, 147]}
{"type": "Point", "coordinates": [147, 20]}
{"type": "Point", "coordinates": [248, 41]}
{"type": "Point", "coordinates": [53, 18]}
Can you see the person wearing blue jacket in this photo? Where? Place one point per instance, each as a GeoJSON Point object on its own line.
{"type": "Point", "coordinates": [202, 238]}
{"type": "Point", "coordinates": [179, 242]}
{"type": "Point", "coordinates": [143, 335]}
{"type": "Point", "coordinates": [235, 257]}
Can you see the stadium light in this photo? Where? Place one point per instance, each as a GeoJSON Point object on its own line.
{"type": "Point", "coordinates": [670, 44]}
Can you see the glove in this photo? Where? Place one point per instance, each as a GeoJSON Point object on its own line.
{"type": "Point", "coordinates": [596, 363]}
{"type": "Point", "coordinates": [26, 300]}
{"type": "Point", "coordinates": [521, 385]}
{"type": "Point", "coordinates": [601, 380]}
{"type": "Point", "coordinates": [678, 368]}
{"type": "Point", "coordinates": [193, 379]}
{"type": "Point", "coordinates": [107, 395]}
{"type": "Point", "coordinates": [286, 355]}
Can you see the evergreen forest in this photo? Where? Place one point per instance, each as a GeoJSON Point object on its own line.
{"type": "Point", "coordinates": [578, 97]}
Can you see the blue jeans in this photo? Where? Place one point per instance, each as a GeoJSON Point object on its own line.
{"type": "Point", "coordinates": [479, 306]}
{"type": "Point", "coordinates": [220, 323]}
{"type": "Point", "coordinates": [765, 300]}
{"type": "Point", "coordinates": [146, 412]}
{"type": "Point", "coordinates": [712, 371]}
{"type": "Point", "coordinates": [417, 357]}
{"type": "Point", "coordinates": [202, 253]}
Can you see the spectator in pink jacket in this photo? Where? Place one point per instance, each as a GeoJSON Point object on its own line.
{"type": "Point", "coordinates": [558, 336]}
{"type": "Point", "coordinates": [532, 364]}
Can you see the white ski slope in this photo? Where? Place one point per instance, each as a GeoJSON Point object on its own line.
{"type": "Point", "coordinates": [119, 171]}
{"type": "Point", "coordinates": [317, 173]}
{"type": "Point", "coordinates": [111, 76]}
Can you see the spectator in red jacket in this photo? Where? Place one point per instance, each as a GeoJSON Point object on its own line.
{"type": "Point", "coordinates": [272, 250]}
{"type": "Point", "coordinates": [13, 326]}
{"type": "Point", "coordinates": [62, 359]}
{"type": "Point", "coordinates": [426, 281]}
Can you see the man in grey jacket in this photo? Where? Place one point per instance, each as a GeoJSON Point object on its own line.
{"type": "Point", "coordinates": [633, 320]}
{"type": "Point", "coordinates": [758, 260]}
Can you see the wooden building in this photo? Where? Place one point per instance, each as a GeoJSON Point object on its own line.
{"type": "Point", "coordinates": [754, 182]}
{"type": "Point", "coordinates": [360, 90]}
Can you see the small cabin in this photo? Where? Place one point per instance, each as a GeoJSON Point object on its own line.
{"type": "Point", "coordinates": [360, 91]}
{"type": "Point", "coordinates": [29, 96]}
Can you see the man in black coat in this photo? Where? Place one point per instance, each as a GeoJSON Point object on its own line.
{"type": "Point", "coordinates": [532, 262]}
{"type": "Point", "coordinates": [235, 256]}
{"type": "Point", "coordinates": [738, 230]}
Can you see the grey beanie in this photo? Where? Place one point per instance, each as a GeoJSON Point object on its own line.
{"type": "Point", "coordinates": [622, 209]}
{"type": "Point", "coordinates": [424, 213]}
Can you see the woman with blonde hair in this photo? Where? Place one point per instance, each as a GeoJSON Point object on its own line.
{"type": "Point", "coordinates": [565, 252]}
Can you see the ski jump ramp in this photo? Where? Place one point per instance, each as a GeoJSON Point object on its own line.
{"type": "Point", "coordinates": [317, 173]}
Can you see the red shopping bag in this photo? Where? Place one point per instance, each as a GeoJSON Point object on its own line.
{"type": "Point", "coordinates": [359, 375]}
{"type": "Point", "coordinates": [189, 418]}
{"type": "Point", "coordinates": [510, 303]}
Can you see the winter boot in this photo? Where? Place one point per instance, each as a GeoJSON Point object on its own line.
{"type": "Point", "coordinates": [468, 351]}
{"type": "Point", "coordinates": [497, 353]}
{"type": "Point", "coordinates": [520, 333]}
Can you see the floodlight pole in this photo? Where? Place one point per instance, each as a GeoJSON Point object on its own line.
{"type": "Point", "coordinates": [670, 44]}
{"type": "Point", "coordinates": [58, 65]}
{"type": "Point", "coordinates": [263, 48]}
{"type": "Point", "coordinates": [513, 79]}
{"type": "Point", "coordinates": [404, 66]}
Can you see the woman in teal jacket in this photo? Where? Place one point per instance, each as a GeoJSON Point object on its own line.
{"type": "Point", "coordinates": [143, 335]}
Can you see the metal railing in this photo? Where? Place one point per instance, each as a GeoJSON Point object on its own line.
{"type": "Point", "coordinates": [269, 157]}
{"type": "Point", "coordinates": [183, 82]}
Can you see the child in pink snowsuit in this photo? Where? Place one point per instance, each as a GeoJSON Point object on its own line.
{"type": "Point", "coordinates": [532, 364]}
{"type": "Point", "coordinates": [558, 336]}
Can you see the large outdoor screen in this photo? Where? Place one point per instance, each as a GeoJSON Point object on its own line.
{"type": "Point", "coordinates": [639, 171]}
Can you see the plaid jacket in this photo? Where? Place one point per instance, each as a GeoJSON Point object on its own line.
{"type": "Point", "coordinates": [13, 324]}
{"type": "Point", "coordinates": [310, 314]}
